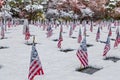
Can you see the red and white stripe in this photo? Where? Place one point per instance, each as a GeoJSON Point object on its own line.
{"type": "Point", "coordinates": [59, 43]}
{"type": "Point", "coordinates": [27, 35]}
{"type": "Point", "coordinates": [79, 38]}
{"type": "Point", "coordinates": [83, 57]}
{"type": "Point", "coordinates": [35, 69]}
{"type": "Point", "coordinates": [106, 49]}
{"type": "Point", "coordinates": [117, 41]}
{"type": "Point", "coordinates": [35, 65]}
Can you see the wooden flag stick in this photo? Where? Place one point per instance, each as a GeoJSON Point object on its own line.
{"type": "Point", "coordinates": [80, 66]}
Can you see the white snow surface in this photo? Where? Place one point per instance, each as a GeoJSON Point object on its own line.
{"type": "Point", "coordinates": [87, 11]}
{"type": "Point", "coordinates": [56, 65]}
{"type": "Point", "coordinates": [34, 7]}
{"type": "Point", "coordinates": [5, 14]}
{"type": "Point", "coordinates": [65, 14]}
{"type": "Point", "coordinates": [52, 11]}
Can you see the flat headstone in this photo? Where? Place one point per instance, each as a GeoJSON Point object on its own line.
{"type": "Point", "coordinates": [32, 35]}
{"type": "Point", "coordinates": [64, 32]}
{"type": "Point", "coordinates": [66, 50]}
{"type": "Point", "coordinates": [114, 59]}
{"type": "Point", "coordinates": [113, 27]}
{"type": "Point", "coordinates": [55, 40]}
{"type": "Point", "coordinates": [103, 42]}
{"type": "Point", "coordinates": [89, 45]}
{"type": "Point", "coordinates": [87, 35]}
{"type": "Point", "coordinates": [113, 39]}
{"type": "Point", "coordinates": [4, 38]}
{"type": "Point", "coordinates": [74, 37]}
{"type": "Point", "coordinates": [88, 70]}
{"type": "Point", "coordinates": [3, 47]}
{"type": "Point", "coordinates": [7, 32]}
{"type": "Point", "coordinates": [29, 44]}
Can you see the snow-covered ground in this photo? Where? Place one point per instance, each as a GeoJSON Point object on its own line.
{"type": "Point", "coordinates": [57, 65]}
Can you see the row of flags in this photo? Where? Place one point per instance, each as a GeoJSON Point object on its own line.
{"type": "Point", "coordinates": [36, 66]}
{"type": "Point", "coordinates": [72, 25]}
{"type": "Point", "coordinates": [82, 51]}
{"type": "Point", "coordinates": [6, 25]}
{"type": "Point", "coordinates": [82, 54]}
{"type": "Point", "coordinates": [50, 30]}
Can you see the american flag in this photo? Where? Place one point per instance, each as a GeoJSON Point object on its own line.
{"type": "Point", "coordinates": [74, 26]}
{"type": "Point", "coordinates": [115, 23]}
{"type": "Point", "coordinates": [91, 26]}
{"type": "Point", "coordinates": [60, 40]}
{"type": "Point", "coordinates": [101, 25]}
{"type": "Point", "coordinates": [49, 31]}
{"type": "Point", "coordinates": [84, 31]}
{"type": "Point", "coordinates": [79, 36]}
{"type": "Point", "coordinates": [82, 53]}
{"type": "Point", "coordinates": [107, 46]}
{"type": "Point", "coordinates": [27, 34]}
{"type": "Point", "coordinates": [109, 25]}
{"type": "Point", "coordinates": [35, 64]}
{"type": "Point", "coordinates": [110, 32]}
{"type": "Point", "coordinates": [61, 28]}
{"type": "Point", "coordinates": [117, 30]}
{"type": "Point", "coordinates": [98, 34]}
{"type": "Point", "coordinates": [9, 24]}
{"type": "Point", "coordinates": [71, 31]}
{"type": "Point", "coordinates": [117, 41]}
{"type": "Point", "coordinates": [2, 31]}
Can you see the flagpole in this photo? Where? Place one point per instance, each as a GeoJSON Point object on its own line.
{"type": "Point", "coordinates": [80, 66]}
